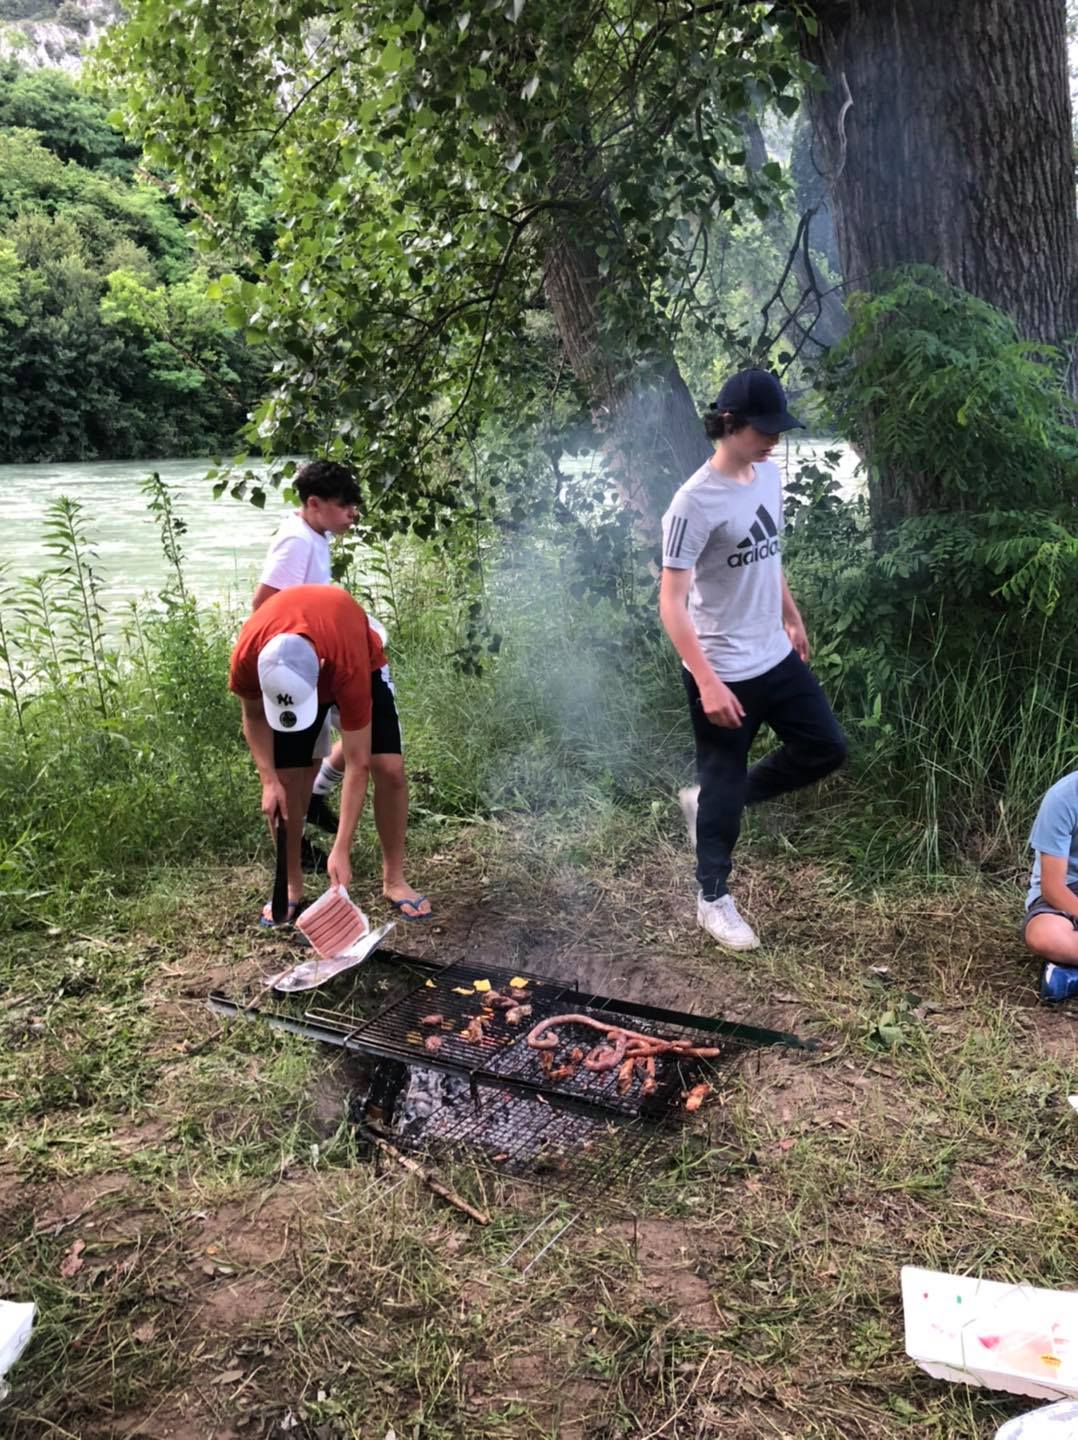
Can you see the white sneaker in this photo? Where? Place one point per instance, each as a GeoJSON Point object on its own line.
{"type": "Point", "coordinates": [688, 797]}
{"type": "Point", "coordinates": [722, 922]}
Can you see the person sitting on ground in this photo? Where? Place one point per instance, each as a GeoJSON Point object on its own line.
{"type": "Point", "coordinates": [1050, 927]}
{"type": "Point", "coordinates": [726, 606]}
{"type": "Point", "coordinates": [302, 652]}
{"type": "Point", "coordinates": [299, 555]}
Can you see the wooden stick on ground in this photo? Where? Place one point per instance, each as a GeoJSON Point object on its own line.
{"type": "Point", "coordinates": [428, 1179]}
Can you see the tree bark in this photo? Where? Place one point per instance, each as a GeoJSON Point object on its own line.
{"type": "Point", "coordinates": [651, 428]}
{"type": "Point", "coordinates": [957, 149]}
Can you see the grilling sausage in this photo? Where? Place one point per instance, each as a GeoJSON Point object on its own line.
{"type": "Point", "coordinates": [617, 1045]}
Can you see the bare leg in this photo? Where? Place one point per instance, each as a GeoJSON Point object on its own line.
{"type": "Point", "coordinates": [335, 757]}
{"type": "Point", "coordinates": [1054, 938]}
{"type": "Point", "coordinates": [391, 822]}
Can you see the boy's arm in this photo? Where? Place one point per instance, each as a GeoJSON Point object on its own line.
{"type": "Point", "coordinates": [1054, 888]}
{"type": "Point", "coordinates": [794, 625]}
{"type": "Point", "coordinates": [357, 764]}
{"type": "Point", "coordinates": [259, 737]}
{"type": "Point", "coordinates": [262, 594]}
{"type": "Point", "coordinates": [721, 705]}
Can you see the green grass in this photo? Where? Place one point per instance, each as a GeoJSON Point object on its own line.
{"type": "Point", "coordinates": [243, 1262]}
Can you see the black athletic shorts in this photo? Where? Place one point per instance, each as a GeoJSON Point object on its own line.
{"type": "Point", "coordinates": [1040, 906]}
{"type": "Point", "coordinates": [294, 750]}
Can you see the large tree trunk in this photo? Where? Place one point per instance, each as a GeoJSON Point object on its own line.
{"type": "Point", "coordinates": [956, 150]}
{"type": "Point", "coordinates": [653, 437]}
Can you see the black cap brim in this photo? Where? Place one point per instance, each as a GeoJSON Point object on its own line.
{"type": "Point", "coordinates": [774, 424]}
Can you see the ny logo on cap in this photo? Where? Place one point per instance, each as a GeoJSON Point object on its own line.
{"type": "Point", "coordinates": [285, 700]}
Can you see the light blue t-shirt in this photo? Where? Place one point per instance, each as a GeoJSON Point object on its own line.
{"type": "Point", "coordinates": [1055, 832]}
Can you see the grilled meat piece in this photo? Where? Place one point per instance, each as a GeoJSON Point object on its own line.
{"type": "Point", "coordinates": [473, 1031]}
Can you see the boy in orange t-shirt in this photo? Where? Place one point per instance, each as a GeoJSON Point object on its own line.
{"type": "Point", "coordinates": [305, 650]}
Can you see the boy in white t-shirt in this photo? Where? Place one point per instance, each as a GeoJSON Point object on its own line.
{"type": "Point", "coordinates": [299, 555]}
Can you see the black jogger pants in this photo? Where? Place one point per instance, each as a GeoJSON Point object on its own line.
{"type": "Point", "coordinates": [787, 698]}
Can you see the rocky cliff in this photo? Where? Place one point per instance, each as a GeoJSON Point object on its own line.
{"type": "Point", "coordinates": [53, 34]}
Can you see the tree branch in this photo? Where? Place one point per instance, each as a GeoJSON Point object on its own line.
{"type": "Point", "coordinates": [299, 103]}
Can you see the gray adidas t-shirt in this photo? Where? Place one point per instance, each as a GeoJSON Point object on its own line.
{"type": "Point", "coordinates": [731, 536]}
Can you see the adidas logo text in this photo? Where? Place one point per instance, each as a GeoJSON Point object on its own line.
{"type": "Point", "coordinates": [760, 552]}
{"type": "Point", "coordinates": [760, 543]}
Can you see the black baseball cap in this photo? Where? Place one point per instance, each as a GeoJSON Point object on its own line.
{"type": "Point", "coordinates": [760, 399]}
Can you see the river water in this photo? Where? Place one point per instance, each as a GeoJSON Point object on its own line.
{"type": "Point", "coordinates": [225, 540]}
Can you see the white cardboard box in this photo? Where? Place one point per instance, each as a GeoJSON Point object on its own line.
{"type": "Point", "coordinates": [980, 1332]}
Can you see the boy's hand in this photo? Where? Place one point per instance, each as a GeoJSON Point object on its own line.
{"type": "Point", "coordinates": [798, 636]}
{"type": "Point", "coordinates": [339, 866]}
{"type": "Point", "coordinates": [274, 804]}
{"type": "Point", "coordinates": [721, 705]}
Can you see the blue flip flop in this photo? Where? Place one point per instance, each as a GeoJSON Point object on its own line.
{"type": "Point", "coordinates": [294, 908]}
{"type": "Point", "coordinates": [413, 901]}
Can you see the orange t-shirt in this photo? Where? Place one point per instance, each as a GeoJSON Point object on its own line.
{"type": "Point", "coordinates": [338, 629]}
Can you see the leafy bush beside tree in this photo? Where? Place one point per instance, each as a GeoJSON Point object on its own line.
{"type": "Point", "coordinates": [942, 604]}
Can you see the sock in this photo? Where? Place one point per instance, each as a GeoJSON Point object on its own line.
{"type": "Point", "coordinates": [326, 779]}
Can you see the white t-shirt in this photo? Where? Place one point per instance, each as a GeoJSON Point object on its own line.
{"type": "Point", "coordinates": [730, 536]}
{"type": "Point", "coordinates": [298, 555]}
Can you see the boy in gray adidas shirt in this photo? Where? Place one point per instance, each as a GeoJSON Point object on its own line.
{"type": "Point", "coordinates": [726, 606]}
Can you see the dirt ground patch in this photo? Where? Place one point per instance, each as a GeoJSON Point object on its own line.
{"type": "Point", "coordinates": [670, 1256]}
{"type": "Point", "coordinates": [173, 1417]}
{"type": "Point", "coordinates": [67, 1205]}
{"type": "Point", "coordinates": [230, 1305]}
{"type": "Point", "coordinates": [260, 1232]}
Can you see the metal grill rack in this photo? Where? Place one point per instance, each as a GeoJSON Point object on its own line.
{"type": "Point", "coordinates": [504, 1060]}
{"type": "Point", "coordinates": [578, 1132]}
{"type": "Point", "coordinates": [517, 1137]}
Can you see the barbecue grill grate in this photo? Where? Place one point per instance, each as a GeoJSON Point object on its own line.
{"type": "Point", "coordinates": [503, 1059]}
{"type": "Point", "coordinates": [578, 1136]}
{"type": "Point", "coordinates": [523, 1138]}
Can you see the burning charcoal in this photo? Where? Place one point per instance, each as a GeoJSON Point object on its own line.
{"type": "Point", "coordinates": [432, 1020]}
{"type": "Point", "coordinates": [695, 1097]}
{"type": "Point", "coordinates": [433, 1043]}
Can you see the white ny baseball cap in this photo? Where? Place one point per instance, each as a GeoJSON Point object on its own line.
{"type": "Point", "coordinates": [288, 674]}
